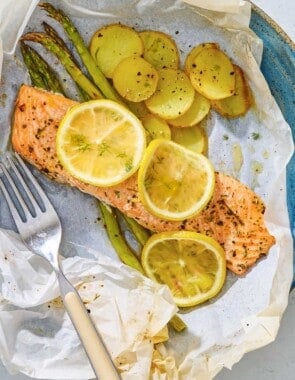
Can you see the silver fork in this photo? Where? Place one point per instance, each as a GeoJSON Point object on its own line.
{"type": "Point", "coordinates": [40, 229]}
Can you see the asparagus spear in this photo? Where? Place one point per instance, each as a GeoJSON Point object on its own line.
{"type": "Point", "coordinates": [125, 253]}
{"type": "Point", "coordinates": [40, 72]}
{"type": "Point", "coordinates": [50, 44]}
{"type": "Point", "coordinates": [50, 31]}
{"type": "Point", "coordinates": [141, 234]}
{"type": "Point", "coordinates": [92, 67]}
{"type": "Point", "coordinates": [36, 79]}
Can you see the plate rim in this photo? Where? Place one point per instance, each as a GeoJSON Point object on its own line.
{"type": "Point", "coordinates": [273, 24]}
{"type": "Point", "coordinates": [290, 169]}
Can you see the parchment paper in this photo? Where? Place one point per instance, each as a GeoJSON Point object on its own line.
{"type": "Point", "coordinates": [246, 315]}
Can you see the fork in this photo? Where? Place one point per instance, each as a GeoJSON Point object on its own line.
{"type": "Point", "coordinates": [40, 229]}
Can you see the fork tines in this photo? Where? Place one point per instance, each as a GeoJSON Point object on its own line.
{"type": "Point", "coordinates": [22, 192]}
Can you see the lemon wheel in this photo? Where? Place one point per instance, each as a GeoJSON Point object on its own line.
{"type": "Point", "coordinates": [192, 265]}
{"type": "Point", "coordinates": [174, 183]}
{"type": "Point", "coordinates": [100, 142]}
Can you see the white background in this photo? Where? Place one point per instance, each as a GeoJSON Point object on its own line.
{"type": "Point", "coordinates": [282, 11]}
{"type": "Point", "coordinates": [277, 360]}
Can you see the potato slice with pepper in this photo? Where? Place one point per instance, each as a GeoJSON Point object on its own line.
{"type": "Point", "coordinates": [213, 74]}
{"type": "Point", "coordinates": [111, 44]}
{"type": "Point", "coordinates": [174, 94]}
{"type": "Point", "coordinates": [189, 60]}
{"type": "Point", "coordinates": [135, 79]}
{"type": "Point", "coordinates": [197, 111]}
{"type": "Point", "coordinates": [240, 102]}
{"type": "Point", "coordinates": [159, 49]}
{"type": "Point", "coordinates": [155, 127]}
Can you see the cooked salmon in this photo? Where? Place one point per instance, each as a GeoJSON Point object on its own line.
{"type": "Point", "coordinates": [234, 216]}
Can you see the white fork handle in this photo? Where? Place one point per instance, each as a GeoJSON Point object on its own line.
{"type": "Point", "coordinates": [96, 351]}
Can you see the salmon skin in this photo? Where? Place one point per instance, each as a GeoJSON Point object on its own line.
{"type": "Point", "coordinates": [233, 217]}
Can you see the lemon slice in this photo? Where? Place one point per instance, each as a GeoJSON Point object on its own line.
{"type": "Point", "coordinates": [189, 60]}
{"type": "Point", "coordinates": [196, 113]}
{"type": "Point", "coordinates": [174, 182]}
{"type": "Point", "coordinates": [192, 265]}
{"type": "Point", "coordinates": [100, 142]}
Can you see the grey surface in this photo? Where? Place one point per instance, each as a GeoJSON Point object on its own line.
{"type": "Point", "coordinates": [273, 362]}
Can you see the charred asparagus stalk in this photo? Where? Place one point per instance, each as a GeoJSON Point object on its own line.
{"type": "Point", "coordinates": [50, 31]}
{"type": "Point", "coordinates": [36, 79]}
{"type": "Point", "coordinates": [84, 96]}
{"type": "Point", "coordinates": [40, 72]}
{"type": "Point", "coordinates": [65, 58]}
{"type": "Point", "coordinates": [73, 34]}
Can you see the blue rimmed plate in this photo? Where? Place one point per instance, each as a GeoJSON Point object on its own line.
{"type": "Point", "coordinates": [278, 67]}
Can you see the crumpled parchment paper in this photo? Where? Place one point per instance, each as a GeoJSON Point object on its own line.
{"type": "Point", "coordinates": [14, 16]}
{"type": "Point", "coordinates": [228, 6]}
{"type": "Point", "coordinates": [246, 315]}
{"type": "Point", "coordinates": [129, 310]}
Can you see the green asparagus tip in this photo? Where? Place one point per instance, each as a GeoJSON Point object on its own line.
{"type": "Point", "coordinates": [66, 59]}
{"type": "Point", "coordinates": [57, 14]}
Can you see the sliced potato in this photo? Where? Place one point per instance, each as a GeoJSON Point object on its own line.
{"type": "Point", "coordinates": [135, 79]}
{"type": "Point", "coordinates": [111, 44]}
{"type": "Point", "coordinates": [240, 102]}
{"type": "Point", "coordinates": [193, 138]}
{"type": "Point", "coordinates": [213, 74]}
{"type": "Point", "coordinates": [174, 94]}
{"type": "Point", "coordinates": [156, 127]}
{"type": "Point", "coordinates": [189, 60]}
{"type": "Point", "coordinates": [160, 49]}
{"type": "Point", "coordinates": [197, 111]}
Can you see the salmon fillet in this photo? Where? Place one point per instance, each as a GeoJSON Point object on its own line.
{"type": "Point", "coordinates": [234, 216]}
